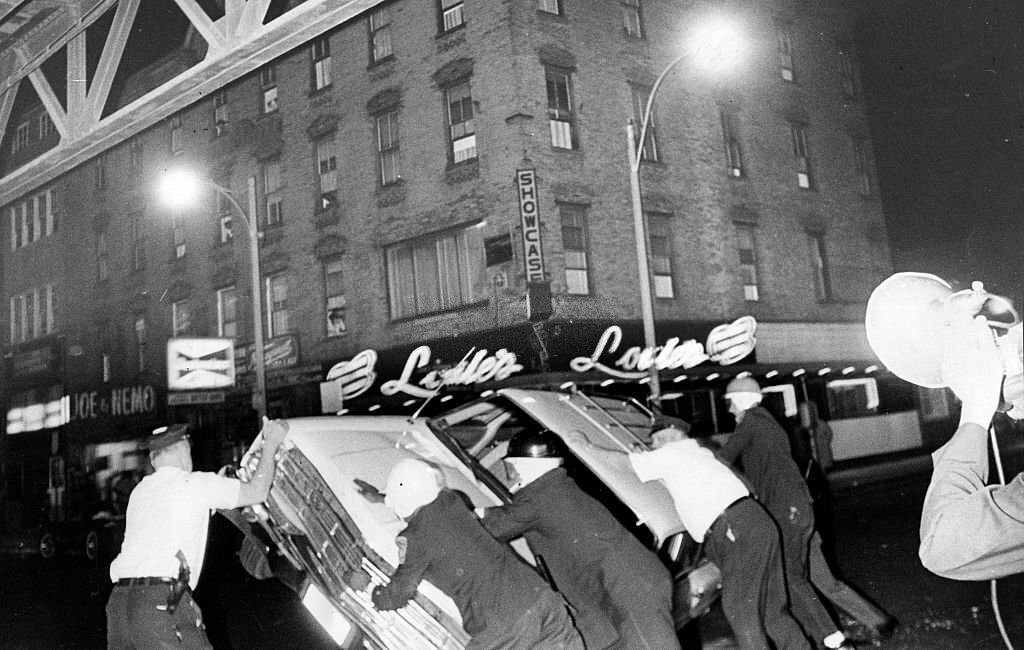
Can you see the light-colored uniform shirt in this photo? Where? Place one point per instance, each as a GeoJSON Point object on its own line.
{"type": "Point", "coordinates": [167, 511]}
{"type": "Point", "coordinates": [971, 530]}
{"type": "Point", "coordinates": [702, 486]}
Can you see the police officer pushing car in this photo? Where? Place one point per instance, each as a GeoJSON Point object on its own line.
{"type": "Point", "coordinates": [604, 572]}
{"type": "Point", "coordinates": [166, 526]}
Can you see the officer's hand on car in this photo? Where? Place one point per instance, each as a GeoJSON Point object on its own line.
{"type": "Point", "coordinates": [274, 432]}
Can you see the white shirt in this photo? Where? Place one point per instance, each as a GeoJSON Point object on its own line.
{"type": "Point", "coordinates": [167, 511]}
{"type": "Point", "coordinates": [701, 485]}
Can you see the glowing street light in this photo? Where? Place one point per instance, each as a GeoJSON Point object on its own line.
{"type": "Point", "coordinates": [180, 188]}
{"type": "Point", "coordinates": [714, 46]}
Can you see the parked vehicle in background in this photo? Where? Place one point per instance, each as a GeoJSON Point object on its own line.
{"type": "Point", "coordinates": [324, 521]}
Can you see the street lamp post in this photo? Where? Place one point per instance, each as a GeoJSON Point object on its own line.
{"type": "Point", "coordinates": [179, 186]}
{"type": "Point", "coordinates": [714, 40]}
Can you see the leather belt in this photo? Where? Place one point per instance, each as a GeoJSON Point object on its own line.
{"type": "Point", "coordinates": [145, 581]}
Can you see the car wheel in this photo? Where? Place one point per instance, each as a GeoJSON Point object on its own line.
{"type": "Point", "coordinates": [92, 544]}
{"type": "Point", "coordinates": [47, 545]}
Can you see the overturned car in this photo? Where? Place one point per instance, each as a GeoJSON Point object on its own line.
{"type": "Point", "coordinates": [325, 523]}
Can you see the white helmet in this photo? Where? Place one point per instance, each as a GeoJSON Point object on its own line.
{"type": "Point", "coordinates": [411, 485]}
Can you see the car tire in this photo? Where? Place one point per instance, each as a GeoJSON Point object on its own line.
{"type": "Point", "coordinates": [47, 545]}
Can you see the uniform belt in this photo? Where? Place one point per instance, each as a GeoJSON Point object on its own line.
{"type": "Point", "coordinates": [145, 581]}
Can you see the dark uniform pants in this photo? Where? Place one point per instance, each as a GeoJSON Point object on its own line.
{"type": "Point", "coordinates": [744, 543]}
{"type": "Point", "coordinates": [544, 625]}
{"type": "Point", "coordinates": [137, 618]}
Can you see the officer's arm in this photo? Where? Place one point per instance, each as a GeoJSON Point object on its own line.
{"type": "Point", "coordinates": [257, 488]}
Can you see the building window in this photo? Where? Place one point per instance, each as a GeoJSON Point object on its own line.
{"type": "Point", "coordinates": [227, 313]}
{"type": "Point", "coordinates": [178, 234]}
{"type": "Point", "coordinates": [387, 147]}
{"type": "Point", "coordinates": [819, 266]}
{"type": "Point", "coordinates": [862, 166]}
{"type": "Point", "coordinates": [32, 219]}
{"type": "Point", "coordinates": [631, 18]}
{"type": "Point", "coordinates": [220, 113]}
{"type": "Point", "coordinates": [100, 172]}
{"type": "Point", "coordinates": [641, 95]}
{"type": "Point", "coordinates": [224, 217]}
{"type": "Point", "coordinates": [136, 159]}
{"type": "Point", "coordinates": [460, 122]}
{"type": "Point", "coordinates": [181, 317]}
{"type": "Point", "coordinates": [277, 303]}
{"type": "Point", "coordinates": [46, 126]}
{"type": "Point", "coordinates": [136, 242]}
{"type": "Point", "coordinates": [846, 74]}
{"type": "Point", "coordinates": [452, 14]}
{"type": "Point", "coordinates": [102, 256]}
{"type": "Point", "coordinates": [574, 243]}
{"type": "Point", "coordinates": [268, 90]}
{"type": "Point", "coordinates": [746, 245]}
{"type": "Point", "coordinates": [660, 234]}
{"type": "Point", "coordinates": [177, 134]}
{"type": "Point", "coordinates": [733, 153]}
{"type": "Point", "coordinates": [334, 298]}
{"type": "Point", "coordinates": [431, 274]}
{"type": "Point", "coordinates": [22, 136]}
{"type": "Point", "coordinates": [321, 52]}
{"type": "Point", "coordinates": [560, 115]}
{"type": "Point", "coordinates": [273, 201]}
{"type": "Point", "coordinates": [105, 371]}
{"type": "Point", "coordinates": [380, 34]}
{"type": "Point", "coordinates": [32, 314]}
{"type": "Point", "coordinates": [550, 6]}
{"type": "Point", "coordinates": [784, 36]}
{"type": "Point", "coordinates": [801, 157]}
{"type": "Point", "coordinates": [327, 171]}
{"type": "Point", "coordinates": [141, 342]}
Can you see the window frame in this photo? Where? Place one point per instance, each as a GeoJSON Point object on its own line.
{"type": "Point", "coordinates": [227, 323]}
{"type": "Point", "coordinates": [784, 45]}
{"type": "Point", "coordinates": [181, 317]}
{"type": "Point", "coordinates": [326, 152]}
{"type": "Point", "coordinates": [748, 258]}
{"type": "Point", "coordinates": [320, 63]}
{"type": "Point", "coordinates": [632, 18]}
{"type": "Point", "coordinates": [389, 152]}
{"type": "Point", "coordinates": [558, 84]}
{"type": "Point", "coordinates": [136, 241]}
{"type": "Point", "coordinates": [454, 8]}
{"type": "Point", "coordinates": [278, 321]}
{"type": "Point", "coordinates": [575, 229]}
{"type": "Point", "coordinates": [448, 276]}
{"type": "Point", "coordinates": [221, 112]}
{"type": "Point", "coordinates": [801, 156]}
{"type": "Point", "coordinates": [466, 126]}
{"type": "Point", "coordinates": [273, 195]}
{"type": "Point", "coordinates": [820, 267]}
{"type": "Point", "coordinates": [32, 314]}
{"type": "Point", "coordinates": [176, 135]}
{"type": "Point", "coordinates": [731, 143]}
{"type": "Point", "coordinates": [102, 251]}
{"type": "Point", "coordinates": [552, 7]}
{"type": "Point", "coordinates": [334, 297]}
{"type": "Point", "coordinates": [659, 229]}
{"type": "Point", "coordinates": [268, 90]}
{"type": "Point", "coordinates": [141, 341]}
{"type": "Point", "coordinates": [862, 166]}
{"type": "Point", "coordinates": [378, 24]}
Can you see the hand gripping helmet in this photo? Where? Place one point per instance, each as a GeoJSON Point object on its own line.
{"type": "Point", "coordinates": [534, 444]}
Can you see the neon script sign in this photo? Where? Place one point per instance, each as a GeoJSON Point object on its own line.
{"type": "Point", "coordinates": [725, 344]}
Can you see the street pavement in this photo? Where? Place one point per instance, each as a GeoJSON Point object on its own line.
{"type": "Point", "coordinates": [59, 604]}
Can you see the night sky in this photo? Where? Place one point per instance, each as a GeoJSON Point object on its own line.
{"type": "Point", "coordinates": [944, 81]}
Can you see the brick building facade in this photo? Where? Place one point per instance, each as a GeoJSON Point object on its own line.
{"type": "Point", "coordinates": [384, 156]}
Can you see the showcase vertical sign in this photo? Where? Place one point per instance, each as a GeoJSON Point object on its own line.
{"type": "Point", "coordinates": [529, 213]}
